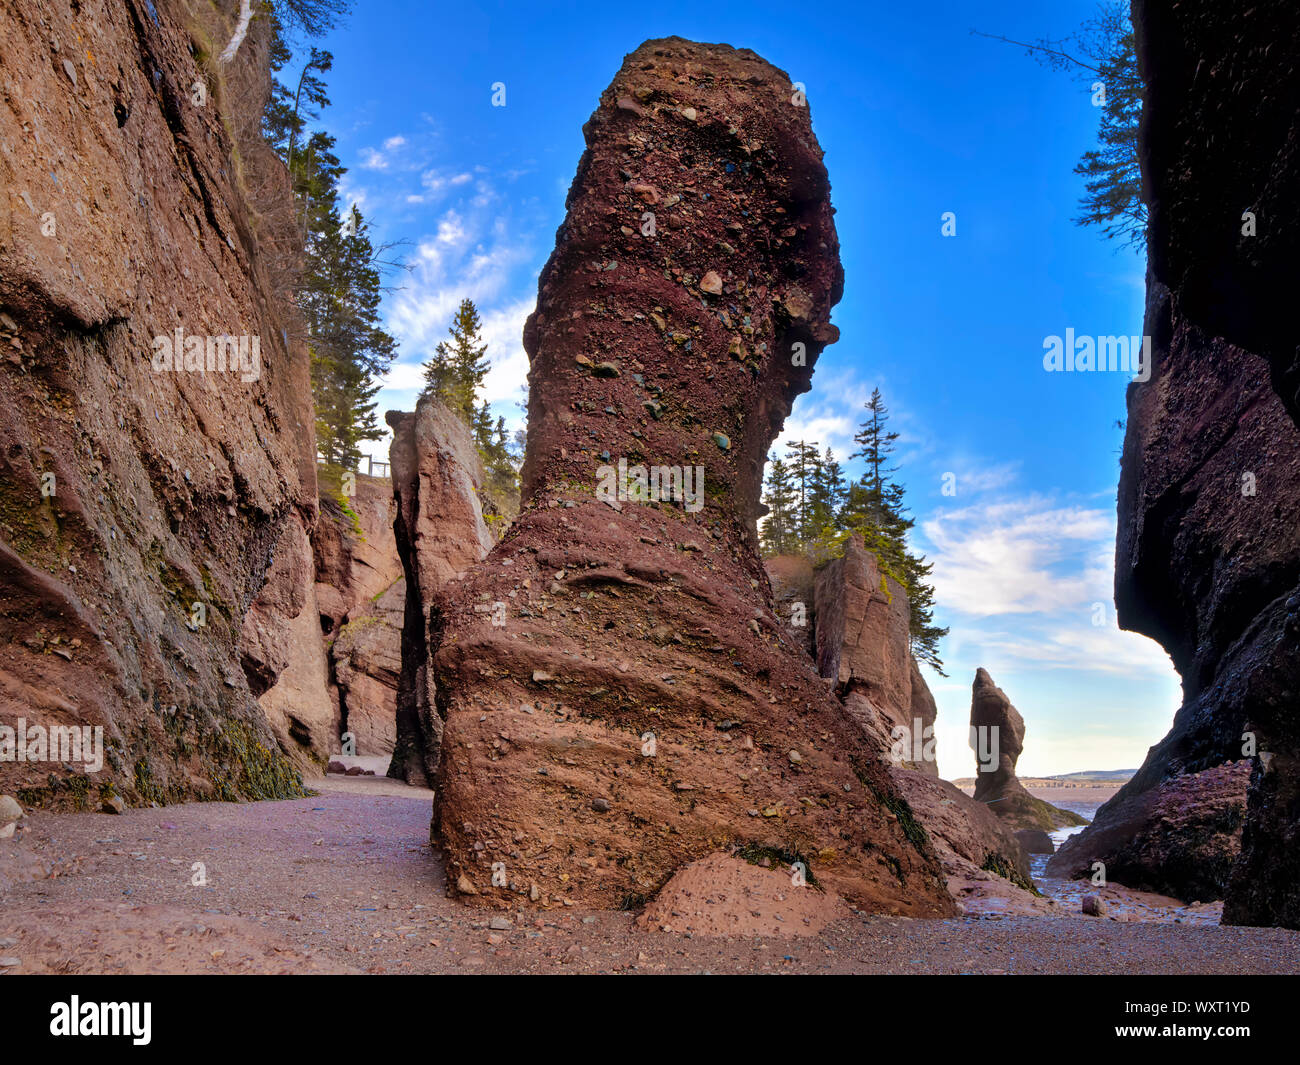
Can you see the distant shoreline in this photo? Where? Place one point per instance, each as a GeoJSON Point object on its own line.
{"type": "Point", "coordinates": [1055, 792]}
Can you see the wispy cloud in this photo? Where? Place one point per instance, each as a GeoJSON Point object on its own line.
{"type": "Point", "coordinates": [1018, 556]}
{"type": "Point", "coordinates": [470, 252]}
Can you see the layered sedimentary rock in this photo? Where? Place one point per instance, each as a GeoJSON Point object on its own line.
{"type": "Point", "coordinates": [439, 533]}
{"type": "Point", "coordinates": [1180, 837]}
{"type": "Point", "coordinates": [998, 731]}
{"type": "Point", "coordinates": [141, 509]}
{"type": "Point", "coordinates": [863, 645]}
{"type": "Point", "coordinates": [280, 650]}
{"type": "Point", "coordinates": [641, 706]}
{"type": "Point", "coordinates": [1208, 549]}
{"type": "Point", "coordinates": [361, 594]}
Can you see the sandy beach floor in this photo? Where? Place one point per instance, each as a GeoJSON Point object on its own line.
{"type": "Point", "coordinates": [345, 881]}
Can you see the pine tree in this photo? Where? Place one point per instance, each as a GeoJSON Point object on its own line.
{"type": "Point", "coordinates": [802, 460]}
{"type": "Point", "coordinates": [457, 368]}
{"type": "Point", "coordinates": [349, 350]}
{"type": "Point", "coordinates": [454, 373]}
{"type": "Point", "coordinates": [777, 535]}
{"type": "Point", "coordinates": [875, 509]}
{"type": "Point", "coordinates": [1102, 57]}
{"type": "Point", "coordinates": [876, 443]}
{"type": "Point", "coordinates": [339, 286]}
{"type": "Point", "coordinates": [825, 495]}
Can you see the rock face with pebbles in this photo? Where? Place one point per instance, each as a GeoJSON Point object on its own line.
{"type": "Point", "coordinates": [154, 561]}
{"type": "Point", "coordinates": [999, 733]}
{"type": "Point", "coordinates": [863, 645]}
{"type": "Point", "coordinates": [967, 835]}
{"type": "Point", "coordinates": [617, 697]}
{"type": "Point", "coordinates": [1207, 558]}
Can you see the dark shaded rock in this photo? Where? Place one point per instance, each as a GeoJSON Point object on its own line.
{"type": "Point", "coordinates": [656, 617]}
{"type": "Point", "coordinates": [1179, 838]}
{"type": "Point", "coordinates": [1035, 841]}
{"type": "Point", "coordinates": [1202, 565]}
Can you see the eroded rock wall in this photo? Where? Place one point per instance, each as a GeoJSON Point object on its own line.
{"type": "Point", "coordinates": [864, 647]}
{"type": "Point", "coordinates": [360, 592]}
{"type": "Point", "coordinates": [642, 706]}
{"type": "Point", "coordinates": [128, 495]}
{"type": "Point", "coordinates": [1208, 549]}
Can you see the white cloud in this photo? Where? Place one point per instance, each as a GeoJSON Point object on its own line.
{"type": "Point", "coordinates": [1078, 645]}
{"type": "Point", "coordinates": [1019, 556]}
{"type": "Point", "coordinates": [373, 159]}
{"type": "Point", "coordinates": [474, 254]}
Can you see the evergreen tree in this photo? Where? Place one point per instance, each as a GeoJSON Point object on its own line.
{"type": "Point", "coordinates": [777, 536]}
{"type": "Point", "coordinates": [349, 350]}
{"type": "Point", "coordinates": [811, 509]}
{"type": "Point", "coordinates": [454, 373]}
{"type": "Point", "coordinates": [867, 500]}
{"type": "Point", "coordinates": [875, 509]}
{"type": "Point", "coordinates": [825, 497]}
{"type": "Point", "coordinates": [339, 288]}
{"type": "Point", "coordinates": [457, 368]}
{"type": "Point", "coordinates": [1102, 57]}
{"type": "Point", "coordinates": [802, 460]}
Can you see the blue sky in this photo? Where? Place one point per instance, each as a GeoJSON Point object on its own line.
{"type": "Point", "coordinates": [917, 117]}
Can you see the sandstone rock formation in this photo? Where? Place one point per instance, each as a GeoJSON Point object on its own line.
{"type": "Point", "coordinates": [1179, 838]}
{"type": "Point", "coordinates": [366, 655]}
{"type": "Point", "coordinates": [966, 835]}
{"type": "Point", "coordinates": [997, 727]}
{"type": "Point", "coordinates": [440, 533]}
{"type": "Point", "coordinates": [642, 706]}
{"type": "Point", "coordinates": [863, 645]}
{"type": "Point", "coordinates": [356, 560]}
{"type": "Point", "coordinates": [1208, 549]}
{"type": "Point", "coordinates": [282, 656]}
{"type": "Point", "coordinates": [152, 522]}
{"type": "Point", "coordinates": [361, 595]}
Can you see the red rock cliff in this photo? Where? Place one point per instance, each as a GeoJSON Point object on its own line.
{"type": "Point", "coordinates": [129, 495]}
